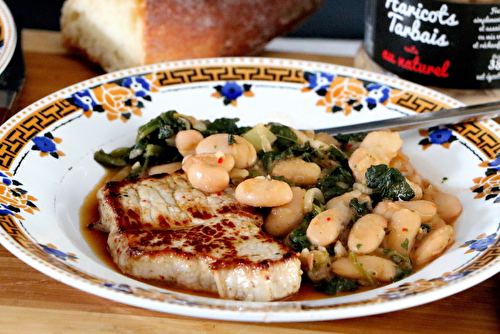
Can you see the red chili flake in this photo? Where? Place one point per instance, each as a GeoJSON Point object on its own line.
{"type": "Point", "coordinates": [349, 146]}
{"type": "Point", "coordinates": [219, 194]}
{"type": "Point", "coordinates": [328, 218]}
{"type": "Point", "coordinates": [144, 201]}
{"type": "Point", "coordinates": [405, 229]}
{"type": "Point", "coordinates": [221, 160]}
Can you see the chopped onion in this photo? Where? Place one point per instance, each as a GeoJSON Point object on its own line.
{"type": "Point", "coordinates": [309, 197]}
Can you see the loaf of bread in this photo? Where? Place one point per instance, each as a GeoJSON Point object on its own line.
{"type": "Point", "coordinates": [117, 34]}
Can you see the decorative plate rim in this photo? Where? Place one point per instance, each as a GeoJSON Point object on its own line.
{"type": "Point", "coordinates": [224, 309]}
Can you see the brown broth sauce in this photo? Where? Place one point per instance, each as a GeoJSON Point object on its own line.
{"type": "Point", "coordinates": [97, 241]}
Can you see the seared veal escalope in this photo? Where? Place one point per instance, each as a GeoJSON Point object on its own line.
{"type": "Point", "coordinates": [162, 228]}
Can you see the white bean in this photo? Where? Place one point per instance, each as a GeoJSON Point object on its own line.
{"type": "Point", "coordinates": [386, 209]}
{"type": "Point", "coordinates": [426, 209]}
{"type": "Point", "coordinates": [402, 230]}
{"type": "Point", "coordinates": [237, 174]}
{"type": "Point", "coordinates": [263, 192]}
{"type": "Point", "coordinates": [284, 218]}
{"type": "Point", "coordinates": [402, 162]}
{"type": "Point", "coordinates": [436, 222]}
{"type": "Point", "coordinates": [378, 268]}
{"type": "Point", "coordinates": [367, 234]}
{"type": "Point", "coordinates": [448, 206]}
{"type": "Point", "coordinates": [416, 189]}
{"type": "Point", "coordinates": [298, 171]}
{"type": "Point", "coordinates": [223, 160]}
{"type": "Point", "coordinates": [187, 140]}
{"type": "Point", "coordinates": [326, 227]}
{"type": "Point", "coordinates": [326, 138]}
{"type": "Point", "coordinates": [342, 202]}
{"type": "Point", "coordinates": [208, 178]}
{"type": "Point", "coordinates": [378, 147]}
{"type": "Point", "coordinates": [433, 244]}
{"type": "Point", "coordinates": [243, 151]}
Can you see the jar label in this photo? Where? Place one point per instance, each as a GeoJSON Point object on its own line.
{"type": "Point", "coordinates": [444, 44]}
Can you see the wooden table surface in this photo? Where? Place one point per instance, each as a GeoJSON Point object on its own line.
{"type": "Point", "coordinates": [31, 302]}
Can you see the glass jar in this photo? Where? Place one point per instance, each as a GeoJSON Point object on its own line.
{"type": "Point", "coordinates": [452, 46]}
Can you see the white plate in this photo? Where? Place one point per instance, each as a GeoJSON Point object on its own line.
{"type": "Point", "coordinates": [47, 169]}
{"type": "Point", "coordinates": [8, 36]}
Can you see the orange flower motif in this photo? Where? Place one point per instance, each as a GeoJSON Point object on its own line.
{"type": "Point", "coordinates": [120, 99]}
{"type": "Point", "coordinates": [119, 102]}
{"type": "Point", "coordinates": [14, 199]}
{"type": "Point", "coordinates": [344, 94]}
{"type": "Point", "coordinates": [486, 186]}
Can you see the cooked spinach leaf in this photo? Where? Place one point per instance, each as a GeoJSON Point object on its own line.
{"type": "Point", "coordinates": [166, 125]}
{"type": "Point", "coordinates": [336, 284]}
{"type": "Point", "coordinates": [297, 239]}
{"type": "Point", "coordinates": [336, 182]}
{"type": "Point", "coordinates": [299, 151]}
{"type": "Point", "coordinates": [388, 183]}
{"type": "Point", "coordinates": [361, 208]}
{"type": "Point", "coordinates": [403, 262]}
{"type": "Point", "coordinates": [224, 125]}
{"type": "Point", "coordinates": [337, 155]}
{"type": "Point", "coordinates": [285, 136]}
{"type": "Point", "coordinates": [117, 158]}
{"type": "Point", "coordinates": [345, 139]}
{"type": "Point", "coordinates": [282, 178]}
{"type": "Point", "coordinates": [401, 273]}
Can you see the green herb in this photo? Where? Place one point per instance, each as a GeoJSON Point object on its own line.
{"type": "Point", "coordinates": [405, 244]}
{"type": "Point", "coordinates": [388, 183]}
{"type": "Point", "coordinates": [231, 140]}
{"type": "Point", "coordinates": [336, 284]}
{"type": "Point", "coordinates": [254, 173]}
{"type": "Point", "coordinates": [426, 227]}
{"type": "Point", "coordinates": [444, 179]}
{"type": "Point", "coordinates": [358, 265]}
{"type": "Point", "coordinates": [358, 246]}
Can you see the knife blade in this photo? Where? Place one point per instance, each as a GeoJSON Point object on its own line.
{"type": "Point", "coordinates": [466, 114]}
{"type": "Point", "coordinates": [12, 80]}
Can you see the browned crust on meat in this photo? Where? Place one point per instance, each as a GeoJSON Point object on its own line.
{"type": "Point", "coordinates": [129, 219]}
{"type": "Point", "coordinates": [203, 242]}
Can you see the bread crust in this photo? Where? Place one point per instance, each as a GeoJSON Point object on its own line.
{"type": "Point", "coordinates": [207, 28]}
{"type": "Point", "coordinates": [188, 29]}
